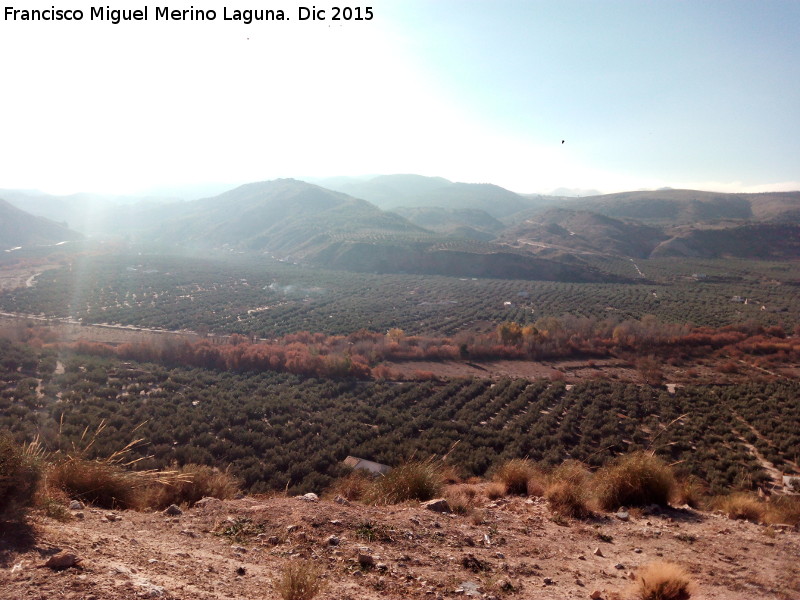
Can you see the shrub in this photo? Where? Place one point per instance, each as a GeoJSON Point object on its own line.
{"type": "Point", "coordinates": [742, 506]}
{"type": "Point", "coordinates": [515, 475]}
{"type": "Point", "coordinates": [301, 580]}
{"type": "Point", "coordinates": [19, 478]}
{"type": "Point", "coordinates": [663, 581]}
{"type": "Point", "coordinates": [636, 479]}
{"type": "Point", "coordinates": [567, 490]}
{"type": "Point", "coordinates": [416, 480]}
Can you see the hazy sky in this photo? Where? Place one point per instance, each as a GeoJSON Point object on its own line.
{"type": "Point", "coordinates": [645, 94]}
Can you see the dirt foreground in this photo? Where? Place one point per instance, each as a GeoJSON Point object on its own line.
{"type": "Point", "coordinates": [508, 548]}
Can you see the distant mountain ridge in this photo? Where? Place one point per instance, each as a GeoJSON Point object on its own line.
{"type": "Point", "coordinates": [19, 228]}
{"type": "Point", "coordinates": [303, 222]}
{"type": "Point", "coordinates": [415, 191]}
{"type": "Point", "coordinates": [447, 228]}
{"type": "Point", "coordinates": [692, 206]}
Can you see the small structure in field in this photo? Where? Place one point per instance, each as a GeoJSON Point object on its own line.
{"type": "Point", "coordinates": [367, 465]}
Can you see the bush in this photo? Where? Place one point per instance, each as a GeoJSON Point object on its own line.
{"type": "Point", "coordinates": [418, 480]}
{"type": "Point", "coordinates": [567, 490]}
{"type": "Point", "coordinates": [301, 580]}
{"type": "Point", "coordinates": [636, 479]}
{"type": "Point", "coordinates": [19, 479]}
{"type": "Point", "coordinates": [515, 475]}
{"type": "Point", "coordinates": [191, 483]}
{"type": "Point", "coordinates": [663, 581]}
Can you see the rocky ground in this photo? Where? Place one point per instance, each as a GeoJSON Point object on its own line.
{"type": "Point", "coordinates": [507, 548]}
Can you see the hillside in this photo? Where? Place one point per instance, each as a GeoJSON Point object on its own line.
{"type": "Point", "coordinates": [457, 222]}
{"type": "Point", "coordinates": [511, 547]}
{"type": "Point", "coordinates": [584, 231]}
{"type": "Point", "coordinates": [690, 206]}
{"type": "Point", "coordinates": [765, 241]}
{"type": "Point", "coordinates": [19, 228]}
{"type": "Point", "coordinates": [281, 216]}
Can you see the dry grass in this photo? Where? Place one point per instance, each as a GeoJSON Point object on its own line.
{"type": "Point", "coordinates": [784, 509]}
{"type": "Point", "coordinates": [301, 580]}
{"type": "Point", "coordinates": [19, 477]}
{"type": "Point", "coordinates": [108, 482]}
{"type": "Point", "coordinates": [415, 480]}
{"type": "Point", "coordinates": [663, 581]}
{"type": "Point", "coordinates": [742, 505]}
{"type": "Point", "coordinates": [636, 479]}
{"type": "Point", "coordinates": [567, 490]}
{"type": "Point", "coordinates": [461, 498]}
{"type": "Point", "coordinates": [98, 482]}
{"type": "Point", "coordinates": [691, 491]}
{"type": "Point", "coordinates": [495, 490]}
{"type": "Point", "coordinates": [190, 484]}
{"type": "Point", "coordinates": [515, 474]}
{"type": "Point", "coordinates": [353, 486]}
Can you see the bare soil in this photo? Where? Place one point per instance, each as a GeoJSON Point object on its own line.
{"type": "Point", "coordinates": [517, 551]}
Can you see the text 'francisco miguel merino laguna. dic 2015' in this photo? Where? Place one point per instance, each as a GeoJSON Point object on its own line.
{"type": "Point", "coordinates": [165, 13]}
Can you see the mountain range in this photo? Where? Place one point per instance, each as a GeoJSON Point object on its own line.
{"type": "Point", "coordinates": [411, 223]}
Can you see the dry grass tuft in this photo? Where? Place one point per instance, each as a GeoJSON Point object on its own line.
{"type": "Point", "coordinates": [636, 479]}
{"type": "Point", "coordinates": [742, 505]}
{"type": "Point", "coordinates": [190, 484]}
{"type": "Point", "coordinates": [663, 581]}
{"type": "Point", "coordinates": [691, 491]}
{"type": "Point", "coordinates": [515, 474]}
{"type": "Point", "coordinates": [301, 580]}
{"type": "Point", "coordinates": [495, 490]}
{"type": "Point", "coordinates": [106, 482]}
{"type": "Point", "coordinates": [461, 498]}
{"type": "Point", "coordinates": [784, 509]}
{"type": "Point", "coordinates": [567, 490]}
{"type": "Point", "coordinates": [100, 483]}
{"type": "Point", "coordinates": [19, 477]}
{"type": "Point", "coordinates": [353, 486]}
{"type": "Point", "coordinates": [415, 480]}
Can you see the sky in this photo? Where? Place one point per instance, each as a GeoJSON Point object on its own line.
{"type": "Point", "coordinates": [643, 93]}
